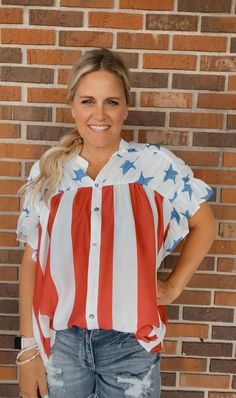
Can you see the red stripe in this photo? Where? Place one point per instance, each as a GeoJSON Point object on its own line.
{"type": "Point", "coordinates": [160, 227]}
{"type": "Point", "coordinates": [106, 260]}
{"type": "Point", "coordinates": [80, 232]}
{"type": "Point", "coordinates": [146, 254]}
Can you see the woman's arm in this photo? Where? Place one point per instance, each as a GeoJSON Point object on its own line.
{"type": "Point", "coordinates": [32, 374]}
{"type": "Point", "coordinates": [196, 245]}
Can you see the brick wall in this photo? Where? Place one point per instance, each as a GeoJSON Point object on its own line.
{"type": "Point", "coordinates": [182, 54]}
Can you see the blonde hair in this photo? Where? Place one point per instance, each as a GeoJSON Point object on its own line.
{"type": "Point", "coordinates": [51, 163]}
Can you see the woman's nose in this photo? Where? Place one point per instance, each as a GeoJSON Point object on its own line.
{"type": "Point", "coordinates": [99, 112]}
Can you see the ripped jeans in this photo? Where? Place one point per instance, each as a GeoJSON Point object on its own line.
{"type": "Point", "coordinates": [102, 364]}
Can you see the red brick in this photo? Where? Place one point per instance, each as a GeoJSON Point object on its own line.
{"type": "Point", "coordinates": [11, 169]}
{"type": "Point", "coordinates": [22, 151]}
{"type": "Point", "coordinates": [226, 265]}
{"type": "Point", "coordinates": [9, 204]}
{"type": "Point", "coordinates": [63, 75]}
{"type": "Point", "coordinates": [116, 20]}
{"type": "Point", "coordinates": [166, 100]}
{"type": "Point", "coordinates": [198, 82]}
{"type": "Point", "coordinates": [187, 330]}
{"type": "Point", "coordinates": [48, 133]}
{"type": "Point", "coordinates": [223, 366]}
{"type": "Point", "coordinates": [223, 212]}
{"type": "Point", "coordinates": [56, 18]}
{"type": "Point", "coordinates": [196, 120]}
{"type": "Point", "coordinates": [219, 24]}
{"type": "Point", "coordinates": [163, 137]}
{"type": "Point", "coordinates": [225, 299]}
{"type": "Point", "coordinates": [213, 281]}
{"type": "Point", "coordinates": [223, 247]}
{"type": "Point", "coordinates": [231, 122]}
{"type": "Point", "coordinates": [63, 115]}
{"type": "Point", "coordinates": [199, 43]}
{"type": "Point", "coordinates": [88, 3]}
{"type": "Point", "coordinates": [161, 5]}
{"type": "Point", "coordinates": [207, 349]}
{"type": "Point", "coordinates": [145, 118]}
{"type": "Point", "coordinates": [181, 364]}
{"type": "Point", "coordinates": [8, 130]}
{"type": "Point", "coordinates": [8, 239]}
{"type": "Point", "coordinates": [204, 6]}
{"type": "Point", "coordinates": [8, 373]}
{"type": "Point", "coordinates": [146, 41]}
{"type": "Point", "coordinates": [199, 158]}
{"type": "Point", "coordinates": [204, 381]}
{"type": "Point", "coordinates": [9, 187]}
{"type": "Point", "coordinates": [209, 139]}
{"type": "Point", "coordinates": [10, 93]}
{"type": "Point", "coordinates": [208, 314]}
{"type": "Point", "coordinates": [27, 74]}
{"type": "Point", "coordinates": [28, 36]}
{"type": "Point", "coordinates": [229, 159]}
{"type": "Point", "coordinates": [10, 55]}
{"type": "Point", "coordinates": [169, 61]}
{"type": "Point", "coordinates": [216, 176]}
{"type": "Point", "coordinates": [232, 83]}
{"type": "Point", "coordinates": [52, 57]}
{"type": "Point", "coordinates": [194, 297]}
{"type": "Point", "coordinates": [11, 112]}
{"type": "Point", "coordinates": [222, 395]}
{"type": "Point", "coordinates": [227, 230]}
{"type": "Point", "coordinates": [29, 2]}
{"type": "Point", "coordinates": [216, 101]}
{"type": "Point", "coordinates": [171, 22]}
{"type": "Point", "coordinates": [149, 79]}
{"type": "Point", "coordinates": [8, 222]}
{"type": "Point", "coordinates": [218, 63]}
{"type": "Point", "coordinates": [87, 39]}
{"type": "Point", "coordinates": [228, 195]}
{"type": "Point", "coordinates": [49, 95]}
{"type": "Point", "coordinates": [11, 15]}
{"type": "Point", "coordinates": [169, 348]}
{"type": "Point", "coordinates": [8, 273]}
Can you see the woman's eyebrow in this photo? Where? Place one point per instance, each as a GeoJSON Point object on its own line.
{"type": "Point", "coordinates": [90, 96]}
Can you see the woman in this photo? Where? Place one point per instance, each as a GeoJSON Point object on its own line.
{"type": "Point", "coordinates": [100, 214]}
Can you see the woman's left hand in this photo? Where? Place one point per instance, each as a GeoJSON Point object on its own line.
{"type": "Point", "coordinates": [166, 292]}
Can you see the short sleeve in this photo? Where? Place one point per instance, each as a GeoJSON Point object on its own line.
{"type": "Point", "coordinates": [183, 203]}
{"type": "Point", "coordinates": [27, 226]}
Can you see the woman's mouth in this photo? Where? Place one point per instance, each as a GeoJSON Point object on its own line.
{"type": "Point", "coordinates": [99, 128]}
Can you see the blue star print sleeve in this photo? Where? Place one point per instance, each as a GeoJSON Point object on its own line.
{"type": "Point", "coordinates": [27, 227]}
{"type": "Point", "coordinates": [186, 195]}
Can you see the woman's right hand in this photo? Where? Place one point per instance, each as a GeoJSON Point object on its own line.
{"type": "Point", "coordinates": [32, 378]}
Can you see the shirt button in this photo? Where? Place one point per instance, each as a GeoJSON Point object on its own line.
{"type": "Point", "coordinates": [96, 185]}
{"type": "Point", "coordinates": [94, 244]}
{"type": "Point", "coordinates": [96, 209]}
{"type": "Point", "coordinates": [91, 316]}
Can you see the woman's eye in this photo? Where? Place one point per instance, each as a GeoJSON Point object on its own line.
{"type": "Point", "coordinates": [87, 102]}
{"type": "Point", "coordinates": [112, 102]}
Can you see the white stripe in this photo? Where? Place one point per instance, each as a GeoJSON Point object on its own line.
{"type": "Point", "coordinates": [44, 238]}
{"type": "Point", "coordinates": [61, 261]}
{"type": "Point", "coordinates": [94, 260]}
{"type": "Point", "coordinates": [124, 307]}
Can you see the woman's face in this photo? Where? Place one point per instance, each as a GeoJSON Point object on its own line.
{"type": "Point", "coordinates": [99, 109]}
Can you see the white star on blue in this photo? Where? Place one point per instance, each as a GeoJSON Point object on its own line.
{"type": "Point", "coordinates": [79, 174]}
{"type": "Point", "coordinates": [26, 210]}
{"type": "Point", "coordinates": [170, 174]}
{"type": "Point", "coordinates": [186, 214]}
{"type": "Point", "coordinates": [126, 166]}
{"type": "Point", "coordinates": [208, 194]}
{"type": "Point", "coordinates": [175, 214]}
{"type": "Point", "coordinates": [174, 197]}
{"type": "Point", "coordinates": [175, 243]}
{"type": "Point", "coordinates": [144, 180]}
{"type": "Point", "coordinates": [188, 188]}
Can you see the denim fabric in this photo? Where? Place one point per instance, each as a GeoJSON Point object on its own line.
{"type": "Point", "coordinates": [102, 364]}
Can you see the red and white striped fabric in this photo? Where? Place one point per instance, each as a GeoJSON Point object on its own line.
{"type": "Point", "coordinates": [100, 242]}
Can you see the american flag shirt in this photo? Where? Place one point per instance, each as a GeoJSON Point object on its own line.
{"type": "Point", "coordinates": [99, 243]}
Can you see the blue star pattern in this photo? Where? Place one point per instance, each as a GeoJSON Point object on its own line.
{"type": "Point", "coordinates": [175, 244]}
{"type": "Point", "coordinates": [126, 166]}
{"type": "Point", "coordinates": [79, 174]}
{"type": "Point", "coordinates": [174, 197]}
{"type": "Point", "coordinates": [186, 179]}
{"type": "Point", "coordinates": [208, 194]}
{"type": "Point", "coordinates": [186, 214]}
{"type": "Point", "coordinates": [132, 150]}
{"type": "Point", "coordinates": [144, 180]}
{"type": "Point", "coordinates": [26, 211]}
{"type": "Point", "coordinates": [175, 215]}
{"type": "Point", "coordinates": [188, 189]}
{"type": "Point", "coordinates": [170, 174]}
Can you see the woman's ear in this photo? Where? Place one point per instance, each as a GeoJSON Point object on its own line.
{"type": "Point", "coordinates": [72, 112]}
